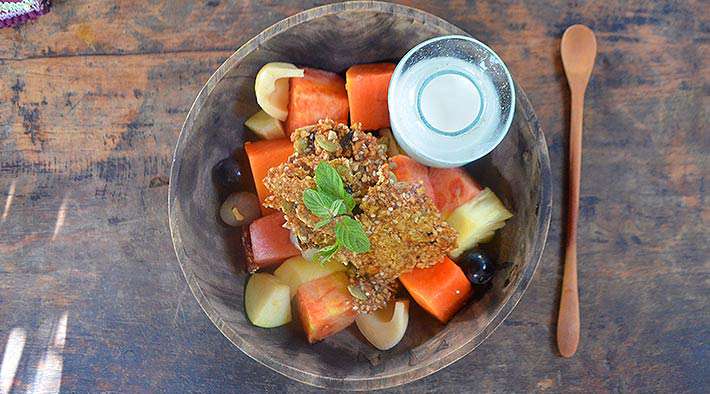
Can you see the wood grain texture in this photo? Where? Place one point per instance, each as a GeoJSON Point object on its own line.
{"type": "Point", "coordinates": [92, 97]}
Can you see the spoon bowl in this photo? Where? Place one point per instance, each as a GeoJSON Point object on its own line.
{"type": "Point", "coordinates": [578, 50]}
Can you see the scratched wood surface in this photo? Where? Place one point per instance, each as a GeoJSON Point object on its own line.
{"type": "Point", "coordinates": [91, 100]}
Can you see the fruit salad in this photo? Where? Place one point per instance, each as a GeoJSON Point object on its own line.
{"type": "Point", "coordinates": [340, 227]}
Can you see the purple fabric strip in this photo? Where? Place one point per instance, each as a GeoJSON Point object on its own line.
{"type": "Point", "coordinates": [35, 8]}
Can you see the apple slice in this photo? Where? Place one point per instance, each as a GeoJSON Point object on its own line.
{"type": "Point", "coordinates": [265, 126]}
{"type": "Point", "coordinates": [271, 87]}
{"type": "Point", "coordinates": [267, 301]}
{"type": "Point", "coordinates": [325, 306]}
{"type": "Point", "coordinates": [297, 270]}
{"type": "Point", "coordinates": [384, 328]}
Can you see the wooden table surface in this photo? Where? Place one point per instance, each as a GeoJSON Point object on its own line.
{"type": "Point", "coordinates": [92, 97]}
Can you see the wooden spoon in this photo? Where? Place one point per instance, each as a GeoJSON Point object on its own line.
{"type": "Point", "coordinates": [578, 49]}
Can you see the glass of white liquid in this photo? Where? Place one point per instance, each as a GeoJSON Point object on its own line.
{"type": "Point", "coordinates": [451, 101]}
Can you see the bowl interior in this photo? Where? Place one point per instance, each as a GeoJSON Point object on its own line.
{"type": "Point", "coordinates": [333, 38]}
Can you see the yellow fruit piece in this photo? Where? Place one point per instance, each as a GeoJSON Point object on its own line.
{"type": "Point", "coordinates": [265, 126]}
{"type": "Point", "coordinates": [271, 87]}
{"type": "Point", "coordinates": [384, 328]}
{"type": "Point", "coordinates": [297, 270]}
{"type": "Point", "coordinates": [477, 220]}
{"type": "Point", "coordinates": [267, 301]}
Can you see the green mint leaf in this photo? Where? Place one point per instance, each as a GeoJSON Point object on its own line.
{"type": "Point", "coordinates": [349, 233]}
{"type": "Point", "coordinates": [325, 253]}
{"type": "Point", "coordinates": [329, 181]}
{"type": "Point", "coordinates": [323, 223]}
{"type": "Point", "coordinates": [349, 202]}
{"type": "Point", "coordinates": [318, 203]}
{"type": "Point", "coordinates": [337, 208]}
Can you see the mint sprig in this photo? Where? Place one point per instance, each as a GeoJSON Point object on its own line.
{"type": "Point", "coordinates": [328, 181]}
{"type": "Point", "coordinates": [350, 233]}
{"type": "Point", "coordinates": [331, 202]}
{"type": "Point", "coordinates": [318, 203]}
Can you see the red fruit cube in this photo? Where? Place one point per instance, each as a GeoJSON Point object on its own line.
{"type": "Point", "coordinates": [407, 169]}
{"type": "Point", "coordinates": [452, 187]}
{"type": "Point", "coordinates": [318, 95]}
{"type": "Point", "coordinates": [267, 242]}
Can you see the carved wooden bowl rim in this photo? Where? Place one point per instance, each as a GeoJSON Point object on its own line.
{"type": "Point", "coordinates": [417, 371]}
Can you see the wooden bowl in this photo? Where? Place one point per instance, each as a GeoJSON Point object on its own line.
{"type": "Point", "coordinates": [334, 37]}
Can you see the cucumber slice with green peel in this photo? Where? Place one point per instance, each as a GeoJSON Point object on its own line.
{"type": "Point", "coordinates": [267, 301]}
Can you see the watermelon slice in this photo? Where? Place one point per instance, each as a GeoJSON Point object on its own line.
{"type": "Point", "coordinates": [452, 187]}
{"type": "Point", "coordinates": [407, 169]}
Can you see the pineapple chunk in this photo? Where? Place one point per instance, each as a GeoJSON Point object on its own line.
{"type": "Point", "coordinates": [267, 301]}
{"type": "Point", "coordinates": [477, 220]}
{"type": "Point", "coordinates": [271, 87]}
{"type": "Point", "coordinates": [297, 270]}
{"type": "Point", "coordinates": [264, 126]}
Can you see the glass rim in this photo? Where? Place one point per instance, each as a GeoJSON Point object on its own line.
{"type": "Point", "coordinates": [505, 124]}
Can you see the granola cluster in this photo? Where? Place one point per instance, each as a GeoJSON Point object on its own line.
{"type": "Point", "coordinates": [403, 225]}
{"type": "Point", "coordinates": [355, 154]}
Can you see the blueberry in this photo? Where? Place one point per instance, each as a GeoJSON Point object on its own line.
{"type": "Point", "coordinates": [479, 269]}
{"type": "Point", "coordinates": [228, 174]}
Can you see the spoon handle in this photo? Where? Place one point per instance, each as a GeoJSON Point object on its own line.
{"type": "Point", "coordinates": [568, 318]}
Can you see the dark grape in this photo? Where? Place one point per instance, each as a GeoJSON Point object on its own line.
{"type": "Point", "coordinates": [478, 267]}
{"type": "Point", "coordinates": [228, 174]}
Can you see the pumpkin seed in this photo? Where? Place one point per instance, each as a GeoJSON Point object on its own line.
{"type": "Point", "coordinates": [342, 170]}
{"type": "Point", "coordinates": [357, 292]}
{"type": "Point", "coordinates": [301, 145]}
{"type": "Point", "coordinates": [325, 144]}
